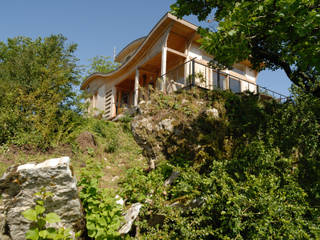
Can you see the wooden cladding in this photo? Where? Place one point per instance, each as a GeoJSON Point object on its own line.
{"type": "Point", "coordinates": [108, 104]}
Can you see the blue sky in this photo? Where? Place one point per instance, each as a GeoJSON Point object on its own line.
{"type": "Point", "coordinates": [97, 26]}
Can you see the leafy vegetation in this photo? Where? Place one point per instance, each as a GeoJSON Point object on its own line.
{"type": "Point", "coordinates": [40, 219]}
{"type": "Point", "coordinates": [252, 172]}
{"type": "Point", "coordinates": [103, 213]}
{"type": "Point", "coordinates": [101, 64]}
{"type": "Point", "coordinates": [242, 175]}
{"type": "Point", "coordinates": [38, 104]}
{"type": "Point", "coordinates": [270, 34]}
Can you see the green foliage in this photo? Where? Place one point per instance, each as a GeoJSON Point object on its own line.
{"type": "Point", "coordinates": [38, 104]}
{"type": "Point", "coordinates": [251, 173]}
{"type": "Point", "coordinates": [108, 132]}
{"type": "Point", "coordinates": [100, 64]}
{"type": "Point", "coordinates": [271, 34]}
{"type": "Point", "coordinates": [139, 185]}
{"type": "Point", "coordinates": [40, 219]}
{"type": "Point", "coordinates": [103, 214]}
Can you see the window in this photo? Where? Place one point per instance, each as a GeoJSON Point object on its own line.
{"type": "Point", "coordinates": [234, 85]}
{"type": "Point", "coordinates": [222, 80]}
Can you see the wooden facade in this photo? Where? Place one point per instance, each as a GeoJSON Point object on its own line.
{"type": "Point", "coordinates": [169, 52]}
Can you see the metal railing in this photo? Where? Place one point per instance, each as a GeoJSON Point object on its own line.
{"type": "Point", "coordinates": [193, 73]}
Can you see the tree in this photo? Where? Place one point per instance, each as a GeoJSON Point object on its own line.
{"type": "Point", "coordinates": [283, 34]}
{"type": "Point", "coordinates": [100, 64]}
{"type": "Point", "coordinates": [37, 101]}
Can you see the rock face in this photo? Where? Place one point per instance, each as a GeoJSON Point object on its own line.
{"type": "Point", "coordinates": [130, 216]}
{"type": "Point", "coordinates": [163, 127]}
{"type": "Point", "coordinates": [18, 186]}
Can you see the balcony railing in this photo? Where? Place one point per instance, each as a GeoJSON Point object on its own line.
{"type": "Point", "coordinates": [193, 73]}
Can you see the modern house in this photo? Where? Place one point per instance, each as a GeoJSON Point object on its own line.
{"type": "Point", "coordinates": [169, 58]}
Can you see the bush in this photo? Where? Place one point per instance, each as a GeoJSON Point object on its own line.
{"type": "Point", "coordinates": [103, 214]}
{"type": "Point", "coordinates": [40, 219]}
{"type": "Point", "coordinates": [252, 173]}
{"type": "Point", "coordinates": [38, 104]}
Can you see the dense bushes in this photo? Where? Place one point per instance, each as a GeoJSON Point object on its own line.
{"type": "Point", "coordinates": [252, 173]}
{"type": "Point", "coordinates": [38, 103]}
{"type": "Point", "coordinates": [103, 215]}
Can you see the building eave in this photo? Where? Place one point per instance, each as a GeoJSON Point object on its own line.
{"type": "Point", "coordinates": [165, 20]}
{"type": "Point", "coordinates": [120, 56]}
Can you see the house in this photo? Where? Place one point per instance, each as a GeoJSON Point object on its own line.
{"type": "Point", "coordinates": [170, 53]}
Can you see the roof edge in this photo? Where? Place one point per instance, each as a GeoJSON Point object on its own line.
{"type": "Point", "coordinates": [130, 44]}
{"type": "Point", "coordinates": [168, 15]}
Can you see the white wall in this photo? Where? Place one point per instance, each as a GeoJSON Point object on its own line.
{"type": "Point", "coordinates": [250, 74]}
{"type": "Point", "coordinates": [195, 52]}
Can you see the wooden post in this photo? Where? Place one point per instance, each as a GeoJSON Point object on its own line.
{"type": "Point", "coordinates": [119, 100]}
{"type": "Point", "coordinates": [218, 78]}
{"type": "Point", "coordinates": [228, 82]}
{"type": "Point", "coordinates": [193, 73]}
{"type": "Point", "coordinates": [163, 67]}
{"type": "Point", "coordinates": [136, 88]}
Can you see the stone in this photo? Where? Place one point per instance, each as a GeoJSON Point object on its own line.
{"type": "Point", "coordinates": [130, 216]}
{"type": "Point", "coordinates": [141, 130]}
{"type": "Point", "coordinates": [119, 117]}
{"type": "Point", "coordinates": [212, 112]}
{"type": "Point", "coordinates": [167, 125]}
{"type": "Point", "coordinates": [115, 178]}
{"type": "Point", "coordinates": [146, 123]}
{"type": "Point", "coordinates": [18, 186]}
{"type": "Point", "coordinates": [119, 200]}
{"type": "Point", "coordinates": [128, 112]}
{"type": "Point", "coordinates": [174, 175]}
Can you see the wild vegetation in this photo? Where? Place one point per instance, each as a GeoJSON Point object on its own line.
{"type": "Point", "coordinates": [38, 105]}
{"type": "Point", "coordinates": [40, 220]}
{"type": "Point", "coordinates": [250, 172]}
{"type": "Point", "coordinates": [270, 34]}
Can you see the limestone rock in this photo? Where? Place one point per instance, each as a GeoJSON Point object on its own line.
{"type": "Point", "coordinates": [174, 175]}
{"type": "Point", "coordinates": [141, 130]}
{"type": "Point", "coordinates": [130, 217]}
{"type": "Point", "coordinates": [167, 125]}
{"type": "Point", "coordinates": [212, 112]}
{"type": "Point", "coordinates": [129, 112]}
{"type": "Point", "coordinates": [18, 186]}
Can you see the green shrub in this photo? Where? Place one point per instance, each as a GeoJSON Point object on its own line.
{"type": "Point", "coordinates": [252, 173]}
{"type": "Point", "coordinates": [38, 104]}
{"type": "Point", "coordinates": [40, 219]}
{"type": "Point", "coordinates": [103, 215]}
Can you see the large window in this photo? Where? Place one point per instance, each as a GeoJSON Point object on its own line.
{"type": "Point", "coordinates": [234, 85]}
{"type": "Point", "coordinates": [219, 81]}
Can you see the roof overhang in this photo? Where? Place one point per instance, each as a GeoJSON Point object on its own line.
{"type": "Point", "coordinates": [129, 48]}
{"type": "Point", "coordinates": [145, 44]}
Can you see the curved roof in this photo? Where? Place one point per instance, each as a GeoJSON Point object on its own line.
{"type": "Point", "coordinates": [129, 48]}
{"type": "Point", "coordinates": [145, 44]}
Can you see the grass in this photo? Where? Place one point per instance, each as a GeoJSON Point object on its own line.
{"type": "Point", "coordinates": [115, 151]}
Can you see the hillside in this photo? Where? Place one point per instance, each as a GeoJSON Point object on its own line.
{"type": "Point", "coordinates": [226, 166]}
{"type": "Point", "coordinates": [204, 164]}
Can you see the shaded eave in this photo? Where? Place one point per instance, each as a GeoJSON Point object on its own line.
{"type": "Point", "coordinates": [129, 48]}
{"type": "Point", "coordinates": [147, 42]}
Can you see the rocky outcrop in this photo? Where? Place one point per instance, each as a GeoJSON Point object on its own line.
{"type": "Point", "coordinates": [165, 125]}
{"type": "Point", "coordinates": [18, 186]}
{"type": "Point", "coordinates": [129, 217]}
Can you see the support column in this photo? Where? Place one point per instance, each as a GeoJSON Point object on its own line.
{"type": "Point", "coordinates": [136, 88]}
{"type": "Point", "coordinates": [163, 67]}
